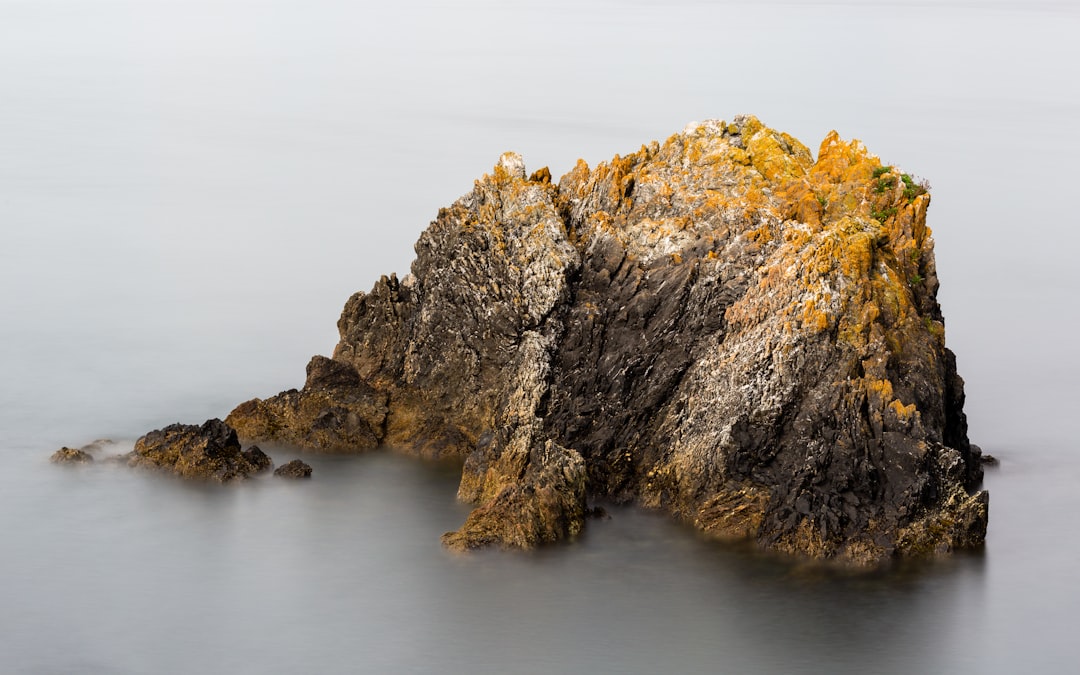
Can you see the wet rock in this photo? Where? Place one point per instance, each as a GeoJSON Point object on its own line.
{"type": "Point", "coordinates": [293, 469]}
{"type": "Point", "coordinates": [545, 505]}
{"type": "Point", "coordinates": [258, 459]}
{"type": "Point", "coordinates": [210, 451]}
{"type": "Point", "coordinates": [336, 412]}
{"type": "Point", "coordinates": [68, 455]}
{"type": "Point", "coordinates": [529, 489]}
{"type": "Point", "coordinates": [721, 325]}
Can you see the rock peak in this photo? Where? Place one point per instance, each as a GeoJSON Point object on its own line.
{"type": "Point", "coordinates": [512, 164]}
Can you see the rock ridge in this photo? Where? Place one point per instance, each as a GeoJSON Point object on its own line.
{"type": "Point", "coordinates": [720, 326]}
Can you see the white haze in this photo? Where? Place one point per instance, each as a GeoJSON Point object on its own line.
{"type": "Point", "coordinates": [189, 192]}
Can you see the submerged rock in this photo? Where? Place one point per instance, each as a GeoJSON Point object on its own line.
{"type": "Point", "coordinates": [99, 445]}
{"type": "Point", "coordinates": [81, 455]}
{"type": "Point", "coordinates": [68, 455]}
{"type": "Point", "coordinates": [720, 326]}
{"type": "Point", "coordinates": [210, 451]}
{"type": "Point", "coordinates": [293, 469]}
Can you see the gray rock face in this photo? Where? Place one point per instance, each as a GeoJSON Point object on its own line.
{"type": "Point", "coordinates": [720, 326]}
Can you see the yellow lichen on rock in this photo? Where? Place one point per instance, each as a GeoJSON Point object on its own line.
{"type": "Point", "coordinates": [778, 157]}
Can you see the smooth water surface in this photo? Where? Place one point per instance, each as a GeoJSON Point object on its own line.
{"type": "Point", "coordinates": [189, 192]}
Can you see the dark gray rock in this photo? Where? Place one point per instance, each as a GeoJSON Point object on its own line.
{"type": "Point", "coordinates": [293, 469]}
{"type": "Point", "coordinates": [258, 459]}
{"type": "Point", "coordinates": [210, 451]}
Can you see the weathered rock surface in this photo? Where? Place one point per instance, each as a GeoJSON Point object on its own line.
{"type": "Point", "coordinates": [210, 451]}
{"type": "Point", "coordinates": [66, 455]}
{"type": "Point", "coordinates": [337, 411]}
{"type": "Point", "coordinates": [293, 469]}
{"type": "Point", "coordinates": [720, 326]}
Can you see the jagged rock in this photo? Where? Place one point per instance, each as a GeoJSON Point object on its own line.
{"type": "Point", "coordinates": [530, 490]}
{"type": "Point", "coordinates": [720, 326]}
{"type": "Point", "coordinates": [336, 412]}
{"type": "Point", "coordinates": [544, 505]}
{"type": "Point", "coordinates": [258, 459]}
{"type": "Point", "coordinates": [210, 451]}
{"type": "Point", "coordinates": [66, 455]}
{"type": "Point", "coordinates": [293, 469]}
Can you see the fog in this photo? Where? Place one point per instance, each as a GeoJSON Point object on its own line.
{"type": "Point", "coordinates": [189, 192]}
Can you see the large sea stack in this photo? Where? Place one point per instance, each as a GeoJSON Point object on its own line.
{"type": "Point", "coordinates": [718, 326]}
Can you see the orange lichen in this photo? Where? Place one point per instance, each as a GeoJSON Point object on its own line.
{"type": "Point", "coordinates": [883, 389]}
{"type": "Point", "coordinates": [778, 157]}
{"type": "Point", "coordinates": [814, 319]}
{"type": "Point", "coordinates": [903, 412]}
{"type": "Point", "coordinates": [837, 253]}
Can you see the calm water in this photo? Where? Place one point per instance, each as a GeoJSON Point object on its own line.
{"type": "Point", "coordinates": [189, 191]}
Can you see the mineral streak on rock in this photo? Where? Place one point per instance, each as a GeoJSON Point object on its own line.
{"type": "Point", "coordinates": [720, 326]}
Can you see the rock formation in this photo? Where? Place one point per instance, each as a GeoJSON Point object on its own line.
{"type": "Point", "coordinates": [720, 326]}
{"type": "Point", "coordinates": [83, 455]}
{"type": "Point", "coordinates": [336, 412]}
{"type": "Point", "coordinates": [293, 469]}
{"type": "Point", "coordinates": [66, 455]}
{"type": "Point", "coordinates": [210, 451]}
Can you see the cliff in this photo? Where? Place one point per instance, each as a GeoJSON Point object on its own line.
{"type": "Point", "coordinates": [718, 326]}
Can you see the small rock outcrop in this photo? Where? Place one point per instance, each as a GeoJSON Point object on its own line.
{"type": "Point", "coordinates": [721, 325]}
{"type": "Point", "coordinates": [210, 451]}
{"type": "Point", "coordinates": [257, 459]}
{"type": "Point", "coordinates": [66, 455]}
{"type": "Point", "coordinates": [293, 469]}
{"type": "Point", "coordinates": [336, 412]}
{"type": "Point", "coordinates": [85, 454]}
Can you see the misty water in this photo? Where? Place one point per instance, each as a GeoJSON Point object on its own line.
{"type": "Point", "coordinates": [189, 192]}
